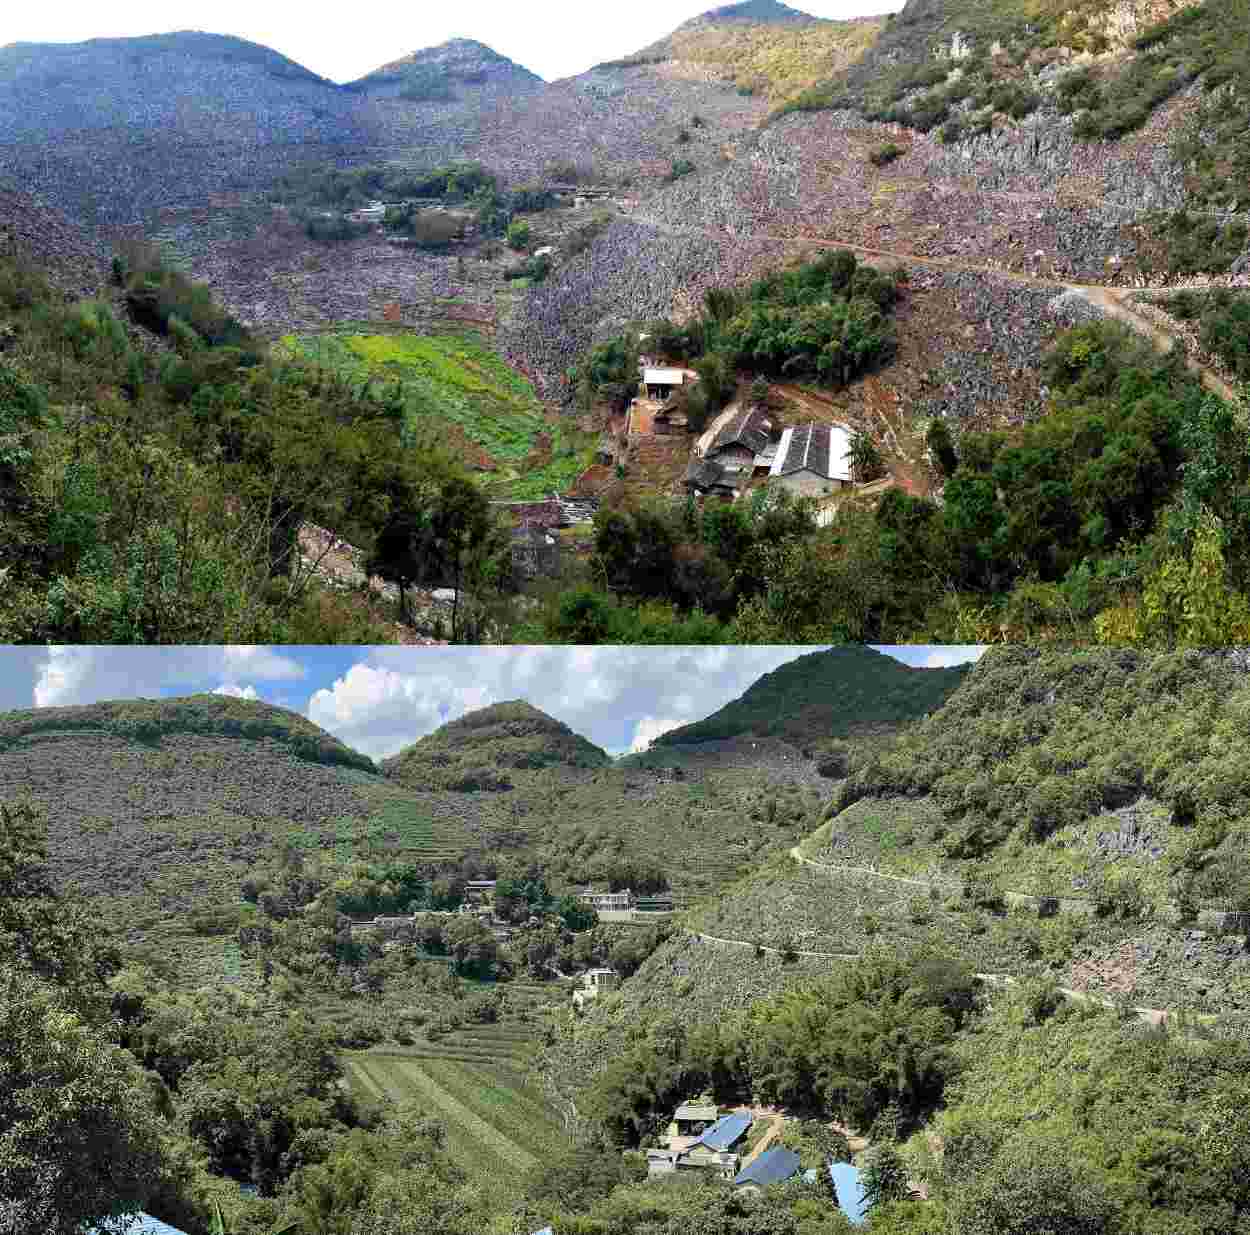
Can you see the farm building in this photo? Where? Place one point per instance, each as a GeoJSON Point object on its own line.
{"type": "Point", "coordinates": [480, 891]}
{"type": "Point", "coordinates": [694, 1144]}
{"type": "Point", "coordinates": [849, 1186]}
{"type": "Point", "coordinates": [594, 982]}
{"type": "Point", "coordinates": [693, 1118]}
{"type": "Point", "coordinates": [660, 903]}
{"type": "Point", "coordinates": [707, 478]}
{"type": "Point", "coordinates": [812, 460]}
{"type": "Point", "coordinates": [140, 1224]}
{"type": "Point", "coordinates": [773, 1166]}
{"type": "Point", "coordinates": [661, 383]}
{"type": "Point", "coordinates": [740, 443]}
{"type": "Point", "coordinates": [606, 900]}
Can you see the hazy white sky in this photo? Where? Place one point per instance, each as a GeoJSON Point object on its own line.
{"type": "Point", "coordinates": [553, 38]}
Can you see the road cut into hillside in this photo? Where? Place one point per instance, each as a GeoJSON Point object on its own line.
{"type": "Point", "coordinates": [1151, 1016]}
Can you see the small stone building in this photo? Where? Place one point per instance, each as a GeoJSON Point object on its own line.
{"type": "Point", "coordinates": [594, 983]}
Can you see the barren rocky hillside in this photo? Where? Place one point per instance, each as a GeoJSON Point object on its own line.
{"type": "Point", "coordinates": [112, 129]}
{"type": "Point", "coordinates": [66, 254]}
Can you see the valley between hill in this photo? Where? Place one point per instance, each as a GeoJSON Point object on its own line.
{"type": "Point", "coordinates": [921, 887]}
{"type": "Point", "coordinates": [450, 276]}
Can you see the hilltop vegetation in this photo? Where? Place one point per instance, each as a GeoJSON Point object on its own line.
{"type": "Point", "coordinates": [483, 748]}
{"type": "Point", "coordinates": [967, 68]}
{"type": "Point", "coordinates": [825, 695]}
{"type": "Point", "coordinates": [764, 48]}
{"type": "Point", "coordinates": [150, 721]}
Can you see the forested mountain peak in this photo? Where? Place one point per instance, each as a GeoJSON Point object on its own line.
{"type": "Point", "coordinates": [823, 695]}
{"type": "Point", "coordinates": [484, 748]}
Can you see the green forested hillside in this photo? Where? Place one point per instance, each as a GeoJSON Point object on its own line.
{"type": "Point", "coordinates": [486, 748]}
{"type": "Point", "coordinates": [826, 695]}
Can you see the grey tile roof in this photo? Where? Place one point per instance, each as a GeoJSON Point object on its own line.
{"type": "Point", "coordinates": [749, 429]}
{"type": "Point", "coordinates": [707, 474]}
{"type": "Point", "coordinates": [771, 1167]}
{"type": "Point", "coordinates": [815, 448]}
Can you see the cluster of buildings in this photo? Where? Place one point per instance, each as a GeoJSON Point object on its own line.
{"type": "Point", "coordinates": [700, 1138]}
{"type": "Point", "coordinates": [809, 460]}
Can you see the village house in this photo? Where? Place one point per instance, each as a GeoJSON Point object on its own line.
{"type": "Point", "coordinates": [712, 1150]}
{"type": "Point", "coordinates": [773, 1166]}
{"type": "Point", "coordinates": [813, 460]}
{"type": "Point", "coordinates": [594, 983]}
{"type": "Point", "coordinates": [661, 383]}
{"type": "Point", "coordinates": [693, 1118]}
{"type": "Point", "coordinates": [707, 478]}
{"type": "Point", "coordinates": [480, 891]}
{"type": "Point", "coordinates": [741, 443]}
{"type": "Point", "coordinates": [606, 901]}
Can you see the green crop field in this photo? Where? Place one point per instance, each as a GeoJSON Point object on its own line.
{"type": "Point", "coordinates": [457, 380]}
{"type": "Point", "coordinates": [497, 1125]}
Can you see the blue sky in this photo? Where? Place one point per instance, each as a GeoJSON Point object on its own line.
{"type": "Point", "coordinates": [384, 698]}
{"type": "Point", "coordinates": [553, 38]}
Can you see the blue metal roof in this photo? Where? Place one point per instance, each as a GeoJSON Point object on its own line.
{"type": "Point", "coordinates": [140, 1224]}
{"type": "Point", "coordinates": [850, 1190]}
{"type": "Point", "coordinates": [725, 1131]}
{"type": "Point", "coordinates": [771, 1167]}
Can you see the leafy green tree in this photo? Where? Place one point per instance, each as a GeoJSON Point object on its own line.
{"type": "Point", "coordinates": [884, 1177]}
{"type": "Point", "coordinates": [1036, 1187]}
{"type": "Point", "coordinates": [866, 461]}
{"type": "Point", "coordinates": [941, 446]}
{"type": "Point", "coordinates": [518, 235]}
{"type": "Point", "coordinates": [80, 1140]}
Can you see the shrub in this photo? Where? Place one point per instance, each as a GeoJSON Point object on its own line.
{"type": "Point", "coordinates": [680, 168]}
{"type": "Point", "coordinates": [518, 235]}
{"type": "Point", "coordinates": [885, 154]}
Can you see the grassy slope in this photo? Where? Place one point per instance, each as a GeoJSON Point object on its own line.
{"type": "Point", "coordinates": [824, 695]}
{"type": "Point", "coordinates": [499, 1124]}
{"type": "Point", "coordinates": [457, 384]}
{"type": "Point", "coordinates": [683, 978]}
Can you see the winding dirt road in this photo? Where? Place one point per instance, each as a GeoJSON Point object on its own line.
{"type": "Point", "coordinates": [1152, 1016]}
{"type": "Point", "coordinates": [1113, 301]}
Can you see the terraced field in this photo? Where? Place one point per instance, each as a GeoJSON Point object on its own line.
{"type": "Point", "coordinates": [455, 385]}
{"type": "Point", "coordinates": [499, 1124]}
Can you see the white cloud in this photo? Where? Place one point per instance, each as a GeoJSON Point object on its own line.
{"type": "Point", "coordinates": [649, 728]}
{"type": "Point", "coordinates": [70, 675]}
{"type": "Point", "coordinates": [317, 37]}
{"type": "Point", "coordinates": [380, 710]}
{"type": "Point", "coordinates": [236, 692]}
{"type": "Point", "coordinates": [245, 660]}
{"type": "Point", "coordinates": [396, 695]}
